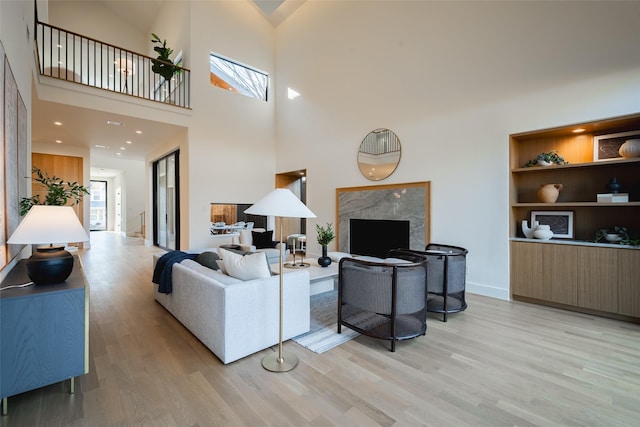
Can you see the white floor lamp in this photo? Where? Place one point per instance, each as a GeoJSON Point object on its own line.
{"type": "Point", "coordinates": [280, 203]}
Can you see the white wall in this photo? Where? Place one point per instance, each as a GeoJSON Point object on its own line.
{"type": "Point", "coordinates": [453, 80]}
{"type": "Point", "coordinates": [16, 31]}
{"type": "Point", "coordinates": [231, 144]}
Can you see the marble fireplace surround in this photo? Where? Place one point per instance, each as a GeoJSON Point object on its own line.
{"type": "Point", "coordinates": [404, 201]}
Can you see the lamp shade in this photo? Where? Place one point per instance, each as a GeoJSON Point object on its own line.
{"type": "Point", "coordinates": [281, 202]}
{"type": "Point", "coordinates": [45, 224]}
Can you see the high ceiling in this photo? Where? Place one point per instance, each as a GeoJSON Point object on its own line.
{"type": "Point", "coordinates": [88, 128]}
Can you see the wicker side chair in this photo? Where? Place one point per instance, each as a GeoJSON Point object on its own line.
{"type": "Point", "coordinates": [381, 299]}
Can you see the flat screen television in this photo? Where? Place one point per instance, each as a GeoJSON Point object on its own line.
{"type": "Point", "coordinates": [376, 237]}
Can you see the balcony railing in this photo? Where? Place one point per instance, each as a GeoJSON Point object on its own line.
{"type": "Point", "coordinates": [72, 57]}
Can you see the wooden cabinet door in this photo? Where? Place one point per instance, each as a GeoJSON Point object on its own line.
{"type": "Point", "coordinates": [526, 260]}
{"type": "Point", "coordinates": [598, 278]}
{"type": "Point", "coordinates": [544, 271]}
{"type": "Point", "coordinates": [628, 282]}
{"type": "Point", "coordinates": [560, 273]}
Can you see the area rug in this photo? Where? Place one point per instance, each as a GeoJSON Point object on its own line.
{"type": "Point", "coordinates": [323, 335]}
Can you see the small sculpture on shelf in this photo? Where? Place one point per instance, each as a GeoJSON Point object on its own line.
{"type": "Point", "coordinates": [547, 159]}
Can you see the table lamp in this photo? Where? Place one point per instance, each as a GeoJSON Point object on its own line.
{"type": "Point", "coordinates": [53, 226]}
{"type": "Point", "coordinates": [280, 203]}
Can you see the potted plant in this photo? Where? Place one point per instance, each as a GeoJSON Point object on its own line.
{"type": "Point", "coordinates": [59, 192]}
{"type": "Point", "coordinates": [163, 65]}
{"type": "Point", "coordinates": [546, 159]}
{"type": "Point", "coordinates": [325, 236]}
{"type": "Point", "coordinates": [619, 235]}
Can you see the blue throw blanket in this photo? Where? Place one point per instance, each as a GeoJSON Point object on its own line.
{"type": "Point", "coordinates": [164, 268]}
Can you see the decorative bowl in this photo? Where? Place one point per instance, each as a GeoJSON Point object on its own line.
{"type": "Point", "coordinates": [613, 238]}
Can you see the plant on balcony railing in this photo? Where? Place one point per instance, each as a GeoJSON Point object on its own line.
{"type": "Point", "coordinates": [163, 65]}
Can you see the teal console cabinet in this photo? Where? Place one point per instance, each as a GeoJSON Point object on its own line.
{"type": "Point", "coordinates": [44, 332]}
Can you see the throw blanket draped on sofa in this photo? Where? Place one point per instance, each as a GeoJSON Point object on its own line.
{"type": "Point", "coordinates": [164, 267]}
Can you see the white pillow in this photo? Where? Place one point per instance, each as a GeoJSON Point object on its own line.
{"type": "Point", "coordinates": [337, 256]}
{"type": "Point", "coordinates": [245, 267]}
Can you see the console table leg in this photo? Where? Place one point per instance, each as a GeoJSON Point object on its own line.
{"type": "Point", "coordinates": [73, 385]}
{"type": "Point", "coordinates": [4, 406]}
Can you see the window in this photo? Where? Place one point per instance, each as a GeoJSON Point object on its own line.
{"type": "Point", "coordinates": [230, 75]}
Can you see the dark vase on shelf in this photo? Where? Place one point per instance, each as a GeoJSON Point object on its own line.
{"type": "Point", "coordinates": [324, 260]}
{"type": "Point", "coordinates": [613, 186]}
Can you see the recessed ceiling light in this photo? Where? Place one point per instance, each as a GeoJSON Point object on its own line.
{"type": "Point", "coordinates": [117, 154]}
{"type": "Point", "coordinates": [58, 141]}
{"type": "Point", "coordinates": [129, 142]}
{"type": "Point", "coordinates": [114, 123]}
{"type": "Point", "coordinates": [122, 148]}
{"type": "Point", "coordinates": [138, 132]}
{"type": "Point", "coordinates": [101, 146]}
{"type": "Point", "coordinates": [57, 123]}
{"type": "Point", "coordinates": [578, 130]}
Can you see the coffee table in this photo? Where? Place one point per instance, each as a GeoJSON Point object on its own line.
{"type": "Point", "coordinates": [322, 279]}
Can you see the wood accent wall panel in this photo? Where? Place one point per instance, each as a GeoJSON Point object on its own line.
{"type": "Point", "coordinates": [68, 168]}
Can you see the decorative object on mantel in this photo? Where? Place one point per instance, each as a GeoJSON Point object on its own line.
{"type": "Point", "coordinates": [549, 193]}
{"type": "Point", "coordinates": [547, 159]}
{"type": "Point", "coordinates": [614, 186]}
{"type": "Point", "coordinates": [619, 235]}
{"type": "Point", "coordinates": [543, 232]}
{"type": "Point", "coordinates": [379, 154]}
{"type": "Point", "coordinates": [528, 232]}
{"type": "Point", "coordinates": [325, 236]}
{"type": "Point", "coordinates": [631, 148]}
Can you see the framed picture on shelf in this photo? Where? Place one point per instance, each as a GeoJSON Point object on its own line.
{"type": "Point", "coordinates": [605, 147]}
{"type": "Point", "coordinates": [561, 222]}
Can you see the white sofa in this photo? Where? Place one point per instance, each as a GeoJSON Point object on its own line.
{"type": "Point", "coordinates": [235, 318]}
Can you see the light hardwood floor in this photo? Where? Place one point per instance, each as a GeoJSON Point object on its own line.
{"type": "Point", "coordinates": [497, 364]}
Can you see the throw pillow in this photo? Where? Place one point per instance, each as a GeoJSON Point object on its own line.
{"type": "Point", "coordinates": [246, 267]}
{"type": "Point", "coordinates": [208, 259]}
{"type": "Point", "coordinates": [263, 240]}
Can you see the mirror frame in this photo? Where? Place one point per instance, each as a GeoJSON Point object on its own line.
{"type": "Point", "coordinates": [379, 154]}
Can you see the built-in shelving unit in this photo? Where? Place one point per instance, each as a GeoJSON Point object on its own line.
{"type": "Point", "coordinates": [576, 274]}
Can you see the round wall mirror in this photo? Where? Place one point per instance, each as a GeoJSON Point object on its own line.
{"type": "Point", "coordinates": [379, 154]}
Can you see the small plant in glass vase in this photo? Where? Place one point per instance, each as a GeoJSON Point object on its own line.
{"type": "Point", "coordinates": [547, 159]}
{"type": "Point", "coordinates": [325, 236]}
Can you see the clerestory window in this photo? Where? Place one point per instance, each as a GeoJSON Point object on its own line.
{"type": "Point", "coordinates": [231, 75]}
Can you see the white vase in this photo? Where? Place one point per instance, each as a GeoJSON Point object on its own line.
{"type": "Point", "coordinates": [544, 163]}
{"type": "Point", "coordinates": [528, 232]}
{"type": "Point", "coordinates": [631, 148]}
{"type": "Point", "coordinates": [543, 232]}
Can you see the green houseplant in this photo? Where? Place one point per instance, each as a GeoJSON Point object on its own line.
{"type": "Point", "coordinates": [325, 236]}
{"type": "Point", "coordinates": [59, 192]}
{"type": "Point", "coordinates": [545, 159]}
{"type": "Point", "coordinates": [163, 65]}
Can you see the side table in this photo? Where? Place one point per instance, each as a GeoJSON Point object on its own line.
{"type": "Point", "coordinates": [44, 332]}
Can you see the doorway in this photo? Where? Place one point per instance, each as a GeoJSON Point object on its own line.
{"type": "Point", "coordinates": [98, 206]}
{"type": "Point", "coordinates": [166, 200]}
{"type": "Point", "coordinates": [296, 181]}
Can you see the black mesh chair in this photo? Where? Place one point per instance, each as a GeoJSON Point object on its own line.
{"type": "Point", "coordinates": [382, 300]}
{"type": "Point", "coordinates": [446, 277]}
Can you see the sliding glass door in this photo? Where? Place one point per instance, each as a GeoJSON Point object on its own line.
{"type": "Point", "coordinates": [166, 215]}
